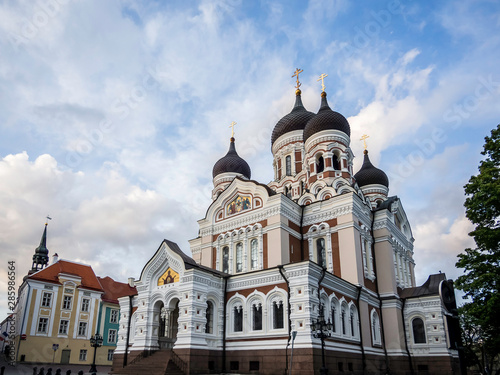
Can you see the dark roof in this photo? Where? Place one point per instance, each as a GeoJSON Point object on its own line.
{"type": "Point", "coordinates": [114, 289]}
{"type": "Point", "coordinates": [369, 174]}
{"type": "Point", "coordinates": [295, 120]}
{"type": "Point", "coordinates": [429, 288]}
{"type": "Point", "coordinates": [326, 119]}
{"type": "Point", "coordinates": [232, 163]}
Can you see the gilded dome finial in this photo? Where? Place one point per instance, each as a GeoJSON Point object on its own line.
{"type": "Point", "coordinates": [322, 79]}
{"type": "Point", "coordinates": [232, 128]}
{"type": "Point", "coordinates": [296, 74]}
{"type": "Point", "coordinates": [363, 138]}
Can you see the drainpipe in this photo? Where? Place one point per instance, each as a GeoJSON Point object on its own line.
{"type": "Point", "coordinates": [128, 330]}
{"type": "Point", "coordinates": [289, 318]}
{"type": "Point", "coordinates": [406, 339]}
{"type": "Point", "coordinates": [386, 357]}
{"type": "Point", "coordinates": [224, 327]}
{"type": "Point", "coordinates": [24, 318]}
{"type": "Point", "coordinates": [363, 358]}
{"type": "Point", "coordinates": [301, 233]}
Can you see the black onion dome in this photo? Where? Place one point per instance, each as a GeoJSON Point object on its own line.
{"type": "Point", "coordinates": [231, 163]}
{"type": "Point", "coordinates": [326, 119]}
{"type": "Point", "coordinates": [295, 120]}
{"type": "Point", "coordinates": [368, 174]}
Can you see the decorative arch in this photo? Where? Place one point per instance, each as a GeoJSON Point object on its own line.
{"type": "Point", "coordinates": [375, 328]}
{"type": "Point", "coordinates": [418, 330]}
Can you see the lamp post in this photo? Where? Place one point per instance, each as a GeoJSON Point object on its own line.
{"type": "Point", "coordinates": [321, 330]}
{"type": "Point", "coordinates": [95, 342]}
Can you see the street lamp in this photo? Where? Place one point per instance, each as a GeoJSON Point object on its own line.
{"type": "Point", "coordinates": [95, 342]}
{"type": "Point", "coordinates": [321, 330]}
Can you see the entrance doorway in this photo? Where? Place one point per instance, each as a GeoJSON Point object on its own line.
{"type": "Point", "coordinates": [168, 324]}
{"type": "Point", "coordinates": [65, 354]}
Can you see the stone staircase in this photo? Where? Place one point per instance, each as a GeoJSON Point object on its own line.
{"type": "Point", "coordinates": [161, 362]}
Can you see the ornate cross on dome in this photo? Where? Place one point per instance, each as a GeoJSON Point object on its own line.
{"type": "Point", "coordinates": [322, 79]}
{"type": "Point", "coordinates": [296, 74]}
{"type": "Point", "coordinates": [232, 128]}
{"type": "Point", "coordinates": [363, 138]}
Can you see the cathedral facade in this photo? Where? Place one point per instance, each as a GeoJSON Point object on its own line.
{"type": "Point", "coordinates": [312, 271]}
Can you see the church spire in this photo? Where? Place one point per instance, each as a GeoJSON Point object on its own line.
{"type": "Point", "coordinates": [41, 256]}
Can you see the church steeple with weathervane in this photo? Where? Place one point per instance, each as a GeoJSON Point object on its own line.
{"type": "Point", "coordinates": [41, 256]}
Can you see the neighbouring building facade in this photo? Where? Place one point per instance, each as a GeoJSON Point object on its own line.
{"type": "Point", "coordinates": [269, 258]}
{"type": "Point", "coordinates": [60, 306]}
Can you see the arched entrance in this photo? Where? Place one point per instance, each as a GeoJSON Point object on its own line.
{"type": "Point", "coordinates": [167, 333]}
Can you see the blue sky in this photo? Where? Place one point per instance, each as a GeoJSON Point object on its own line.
{"type": "Point", "coordinates": [112, 114]}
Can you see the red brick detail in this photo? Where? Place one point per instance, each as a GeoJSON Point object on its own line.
{"type": "Point", "coordinates": [336, 254]}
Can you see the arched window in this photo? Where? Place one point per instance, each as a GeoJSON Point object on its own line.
{"type": "Point", "coordinates": [288, 164]}
{"type": "Point", "coordinates": [418, 331]}
{"type": "Point", "coordinates": [278, 315]}
{"type": "Point", "coordinates": [376, 328]}
{"type": "Point", "coordinates": [321, 252]}
{"type": "Point", "coordinates": [335, 162]}
{"type": "Point", "coordinates": [320, 164]}
{"type": "Point", "coordinates": [254, 254]}
{"type": "Point", "coordinates": [238, 318]}
{"type": "Point", "coordinates": [351, 319]}
{"type": "Point", "coordinates": [342, 320]}
{"type": "Point", "coordinates": [239, 257]}
{"type": "Point", "coordinates": [209, 328]}
{"type": "Point", "coordinates": [225, 259]}
{"type": "Point", "coordinates": [335, 315]}
{"type": "Point", "coordinates": [257, 317]}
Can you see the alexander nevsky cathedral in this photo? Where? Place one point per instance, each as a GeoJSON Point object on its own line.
{"type": "Point", "coordinates": [310, 273]}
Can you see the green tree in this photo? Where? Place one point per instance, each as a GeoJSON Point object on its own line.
{"type": "Point", "coordinates": [481, 279]}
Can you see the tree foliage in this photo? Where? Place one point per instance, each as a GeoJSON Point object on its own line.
{"type": "Point", "coordinates": [481, 278]}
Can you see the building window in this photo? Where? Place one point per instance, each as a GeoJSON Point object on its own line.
{"type": "Point", "coordinates": [63, 327]}
{"type": "Point", "coordinates": [82, 329]}
{"type": "Point", "coordinates": [288, 163]}
{"type": "Point", "coordinates": [321, 252]}
{"type": "Point", "coordinates": [418, 331]}
{"type": "Point", "coordinates": [110, 354]}
{"type": "Point", "coordinates": [67, 303]}
{"type": "Point", "coordinates": [113, 318]}
{"type": "Point", "coordinates": [335, 162]}
{"type": "Point", "coordinates": [376, 328]}
{"type": "Point", "coordinates": [342, 320]}
{"type": "Point", "coordinates": [46, 299]}
{"type": "Point", "coordinates": [320, 164]}
{"type": "Point", "coordinates": [209, 314]}
{"type": "Point", "coordinates": [225, 259]}
{"type": "Point", "coordinates": [254, 254]}
{"type": "Point", "coordinates": [239, 257]}
{"type": "Point", "coordinates": [334, 317]}
{"type": "Point", "coordinates": [257, 317]}
{"type": "Point", "coordinates": [112, 335]}
{"type": "Point", "coordinates": [278, 315]}
{"type": "Point", "coordinates": [238, 319]}
{"type": "Point", "coordinates": [83, 355]}
{"type": "Point", "coordinates": [288, 191]}
{"type": "Point", "coordinates": [42, 325]}
{"type": "Point", "coordinates": [85, 304]}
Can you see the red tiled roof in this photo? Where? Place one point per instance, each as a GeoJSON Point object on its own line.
{"type": "Point", "coordinates": [50, 274]}
{"type": "Point", "coordinates": [114, 289]}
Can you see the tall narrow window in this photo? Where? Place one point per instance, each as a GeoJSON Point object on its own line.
{"type": "Point", "coordinates": [67, 303]}
{"type": "Point", "coordinates": [46, 299]}
{"type": "Point", "coordinates": [320, 165]}
{"type": "Point", "coordinates": [63, 327]}
{"type": "Point", "coordinates": [85, 304]}
{"type": "Point", "coordinates": [238, 319]}
{"type": "Point", "coordinates": [209, 315]}
{"type": "Point", "coordinates": [225, 259]}
{"type": "Point", "coordinates": [239, 257]}
{"type": "Point", "coordinates": [321, 253]}
{"type": "Point", "coordinates": [42, 325]}
{"type": "Point", "coordinates": [254, 254]}
{"type": "Point", "coordinates": [82, 329]}
{"type": "Point", "coordinates": [335, 162]}
{"type": "Point", "coordinates": [353, 332]}
{"type": "Point", "coordinates": [288, 163]}
{"type": "Point", "coordinates": [113, 318]}
{"type": "Point", "coordinates": [334, 318]}
{"type": "Point", "coordinates": [111, 335]}
{"type": "Point", "coordinates": [278, 321]}
{"type": "Point", "coordinates": [418, 331]}
{"type": "Point", "coordinates": [342, 318]}
{"type": "Point", "coordinates": [257, 317]}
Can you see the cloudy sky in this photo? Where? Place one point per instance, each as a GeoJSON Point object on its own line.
{"type": "Point", "coordinates": [113, 113]}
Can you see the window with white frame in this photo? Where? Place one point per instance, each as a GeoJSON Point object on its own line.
{"type": "Point", "coordinates": [110, 354]}
{"type": "Point", "coordinates": [353, 319]}
{"type": "Point", "coordinates": [418, 329]}
{"type": "Point", "coordinates": [254, 254]}
{"type": "Point", "coordinates": [43, 325]}
{"type": "Point", "coordinates": [112, 335]}
{"type": "Point", "coordinates": [225, 259]}
{"type": "Point", "coordinates": [83, 355]}
{"type": "Point", "coordinates": [321, 252]}
{"type": "Point", "coordinates": [375, 323]}
{"type": "Point", "coordinates": [85, 304]}
{"type": "Point", "coordinates": [257, 316]}
{"type": "Point", "coordinates": [320, 164]}
{"type": "Point", "coordinates": [288, 164]}
{"type": "Point", "coordinates": [278, 315]}
{"type": "Point", "coordinates": [46, 299]}
{"type": "Point", "coordinates": [238, 318]}
{"type": "Point", "coordinates": [239, 257]}
{"type": "Point", "coordinates": [63, 327]}
{"type": "Point", "coordinates": [209, 328]}
{"type": "Point", "coordinates": [335, 311]}
{"type": "Point", "coordinates": [67, 302]}
{"type": "Point", "coordinates": [82, 329]}
{"type": "Point", "coordinates": [336, 162]}
{"type": "Point", "coordinates": [343, 318]}
{"type": "Point", "coordinates": [113, 316]}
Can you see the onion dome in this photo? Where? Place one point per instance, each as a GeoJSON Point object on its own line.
{"type": "Point", "coordinates": [370, 175]}
{"type": "Point", "coordinates": [295, 120]}
{"type": "Point", "coordinates": [326, 119]}
{"type": "Point", "coordinates": [231, 163]}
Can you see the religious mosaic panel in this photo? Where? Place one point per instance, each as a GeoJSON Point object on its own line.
{"type": "Point", "coordinates": [169, 277]}
{"type": "Point", "coordinates": [239, 204]}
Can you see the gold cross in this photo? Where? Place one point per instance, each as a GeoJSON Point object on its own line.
{"type": "Point", "coordinates": [363, 138]}
{"type": "Point", "coordinates": [232, 128]}
{"type": "Point", "coordinates": [296, 74]}
{"type": "Point", "coordinates": [322, 78]}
